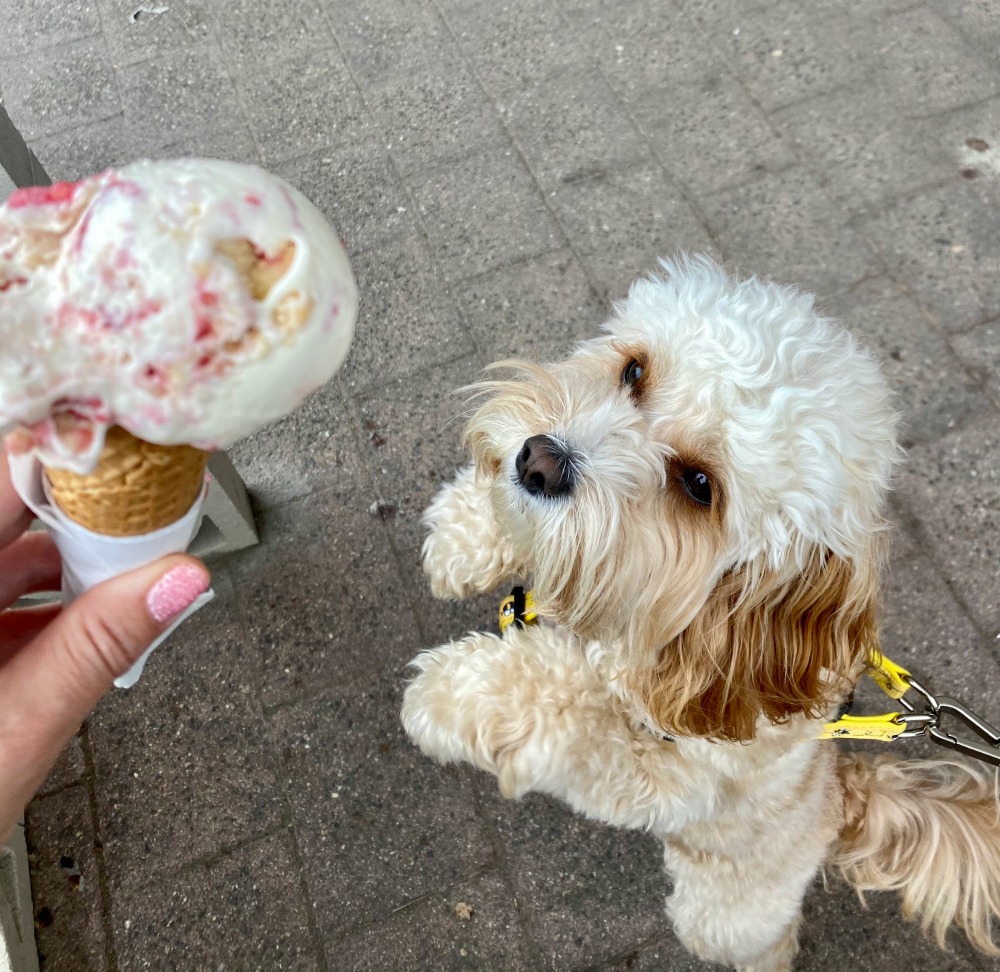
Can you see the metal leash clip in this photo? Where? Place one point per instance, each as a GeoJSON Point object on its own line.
{"type": "Point", "coordinates": [930, 726]}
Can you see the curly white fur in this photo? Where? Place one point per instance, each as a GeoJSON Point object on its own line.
{"type": "Point", "coordinates": [733, 626]}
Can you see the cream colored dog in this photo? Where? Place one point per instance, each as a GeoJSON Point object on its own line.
{"type": "Point", "coordinates": [698, 496]}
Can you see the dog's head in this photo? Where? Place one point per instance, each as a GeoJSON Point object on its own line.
{"type": "Point", "coordinates": [704, 486]}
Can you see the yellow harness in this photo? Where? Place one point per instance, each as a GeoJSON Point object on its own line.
{"type": "Point", "coordinates": [519, 608]}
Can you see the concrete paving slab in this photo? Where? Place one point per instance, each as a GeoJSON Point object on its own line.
{"type": "Point", "coordinates": [865, 152]}
{"type": "Point", "coordinates": [514, 46]}
{"type": "Point", "coordinates": [387, 42]}
{"type": "Point", "coordinates": [183, 766]}
{"type": "Point", "coordinates": [483, 212]}
{"type": "Point", "coordinates": [933, 391]}
{"type": "Point", "coordinates": [925, 64]}
{"type": "Point", "coordinates": [980, 350]}
{"type": "Point", "coordinates": [926, 630]}
{"type": "Point", "coordinates": [135, 35]}
{"type": "Point", "coordinates": [406, 324]}
{"type": "Point", "coordinates": [233, 142]}
{"type": "Point", "coordinates": [68, 770]}
{"type": "Point", "coordinates": [782, 51]}
{"type": "Point", "coordinates": [303, 452]}
{"type": "Point", "coordinates": [286, 96]}
{"type": "Point", "coordinates": [587, 891]}
{"type": "Point", "coordinates": [839, 932]}
{"type": "Point", "coordinates": [68, 156]}
{"type": "Point", "coordinates": [666, 955]}
{"type": "Point", "coordinates": [327, 610]}
{"type": "Point", "coordinates": [411, 460]}
{"type": "Point", "coordinates": [783, 226]}
{"type": "Point", "coordinates": [34, 25]}
{"type": "Point", "coordinates": [976, 20]}
{"type": "Point", "coordinates": [952, 487]}
{"type": "Point", "coordinates": [358, 190]}
{"type": "Point", "coordinates": [903, 538]}
{"type": "Point", "coordinates": [944, 246]}
{"type": "Point", "coordinates": [967, 141]}
{"type": "Point", "coordinates": [622, 220]}
{"type": "Point", "coordinates": [635, 58]}
{"type": "Point", "coordinates": [378, 825]}
{"type": "Point", "coordinates": [537, 309]}
{"type": "Point", "coordinates": [61, 87]}
{"type": "Point", "coordinates": [692, 128]}
{"type": "Point", "coordinates": [471, 925]}
{"type": "Point", "coordinates": [570, 125]}
{"type": "Point", "coordinates": [439, 115]}
{"type": "Point", "coordinates": [246, 27]}
{"type": "Point", "coordinates": [243, 899]}
{"type": "Point", "coordinates": [176, 96]}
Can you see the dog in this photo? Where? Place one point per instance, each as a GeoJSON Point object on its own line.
{"type": "Point", "coordinates": [699, 496]}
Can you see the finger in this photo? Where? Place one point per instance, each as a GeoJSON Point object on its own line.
{"type": "Point", "coordinates": [14, 515]}
{"type": "Point", "coordinates": [55, 681]}
{"type": "Point", "coordinates": [31, 563]}
{"type": "Point", "coordinates": [17, 628]}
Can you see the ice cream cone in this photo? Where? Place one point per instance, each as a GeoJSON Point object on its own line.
{"type": "Point", "coordinates": [136, 488]}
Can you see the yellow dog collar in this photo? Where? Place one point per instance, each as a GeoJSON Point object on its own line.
{"type": "Point", "coordinates": [518, 608]}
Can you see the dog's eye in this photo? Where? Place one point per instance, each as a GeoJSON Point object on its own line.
{"type": "Point", "coordinates": [632, 373]}
{"type": "Point", "coordinates": [698, 486]}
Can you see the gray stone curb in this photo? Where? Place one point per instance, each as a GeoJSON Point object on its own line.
{"type": "Point", "coordinates": [17, 927]}
{"type": "Point", "coordinates": [18, 167]}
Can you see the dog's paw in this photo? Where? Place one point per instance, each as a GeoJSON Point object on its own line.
{"type": "Point", "coordinates": [463, 553]}
{"type": "Point", "coordinates": [446, 564]}
{"type": "Point", "coordinates": [436, 711]}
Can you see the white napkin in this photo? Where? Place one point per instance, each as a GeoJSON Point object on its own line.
{"type": "Point", "coordinates": [90, 558]}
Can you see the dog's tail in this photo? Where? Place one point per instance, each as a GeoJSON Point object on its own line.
{"type": "Point", "coordinates": [929, 829]}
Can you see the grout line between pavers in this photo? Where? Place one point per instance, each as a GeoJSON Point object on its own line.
{"type": "Point", "coordinates": [220, 853]}
{"type": "Point", "coordinates": [503, 865]}
{"type": "Point", "coordinates": [622, 957]}
{"type": "Point", "coordinates": [685, 193]}
{"type": "Point", "coordinates": [979, 382]}
{"type": "Point", "coordinates": [915, 528]}
{"type": "Point", "coordinates": [58, 790]}
{"type": "Point", "coordinates": [597, 289]}
{"type": "Point", "coordinates": [90, 777]}
{"type": "Point", "coordinates": [429, 248]}
{"type": "Point", "coordinates": [414, 597]}
{"type": "Point", "coordinates": [354, 928]}
{"type": "Point", "coordinates": [937, 113]}
{"type": "Point", "coordinates": [804, 160]}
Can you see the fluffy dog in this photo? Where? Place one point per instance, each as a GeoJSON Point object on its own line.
{"type": "Point", "coordinates": [698, 495]}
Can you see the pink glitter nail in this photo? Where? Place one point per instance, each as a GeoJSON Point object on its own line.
{"type": "Point", "coordinates": [176, 590]}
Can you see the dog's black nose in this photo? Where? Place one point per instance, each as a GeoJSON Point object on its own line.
{"type": "Point", "coordinates": [543, 467]}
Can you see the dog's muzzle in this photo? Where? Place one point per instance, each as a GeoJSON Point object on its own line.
{"type": "Point", "coordinates": [544, 467]}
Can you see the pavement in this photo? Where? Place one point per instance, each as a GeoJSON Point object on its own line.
{"type": "Point", "coordinates": [499, 170]}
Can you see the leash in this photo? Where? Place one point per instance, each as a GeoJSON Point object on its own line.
{"type": "Point", "coordinates": [518, 608]}
{"type": "Point", "coordinates": [927, 720]}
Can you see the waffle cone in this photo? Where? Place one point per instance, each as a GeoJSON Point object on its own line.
{"type": "Point", "coordinates": [136, 487]}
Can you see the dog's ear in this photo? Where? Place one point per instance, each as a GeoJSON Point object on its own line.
{"type": "Point", "coordinates": [767, 643]}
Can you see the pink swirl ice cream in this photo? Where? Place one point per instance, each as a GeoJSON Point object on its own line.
{"type": "Point", "coordinates": [190, 302]}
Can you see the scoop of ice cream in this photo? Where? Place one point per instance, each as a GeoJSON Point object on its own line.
{"type": "Point", "coordinates": [188, 301]}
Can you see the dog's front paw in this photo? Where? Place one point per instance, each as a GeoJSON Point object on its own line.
{"type": "Point", "coordinates": [436, 713]}
{"type": "Point", "coordinates": [464, 553]}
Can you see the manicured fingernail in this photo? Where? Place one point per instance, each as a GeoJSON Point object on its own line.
{"type": "Point", "coordinates": [176, 591]}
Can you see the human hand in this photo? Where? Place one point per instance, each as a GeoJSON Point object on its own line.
{"type": "Point", "coordinates": [56, 663]}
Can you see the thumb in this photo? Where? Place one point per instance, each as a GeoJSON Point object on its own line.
{"type": "Point", "coordinates": [65, 671]}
